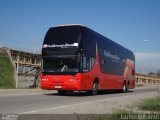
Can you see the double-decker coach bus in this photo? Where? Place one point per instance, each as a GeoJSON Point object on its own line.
{"type": "Point", "coordinates": [76, 58]}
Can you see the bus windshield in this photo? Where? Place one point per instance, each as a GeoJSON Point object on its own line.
{"type": "Point", "coordinates": [61, 64]}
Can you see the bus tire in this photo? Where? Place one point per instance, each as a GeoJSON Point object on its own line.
{"type": "Point", "coordinates": [125, 88]}
{"type": "Point", "coordinates": [61, 92]}
{"type": "Point", "coordinates": [94, 90]}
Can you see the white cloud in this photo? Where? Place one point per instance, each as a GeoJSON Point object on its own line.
{"type": "Point", "coordinates": [147, 56]}
{"type": "Point", "coordinates": [147, 62]}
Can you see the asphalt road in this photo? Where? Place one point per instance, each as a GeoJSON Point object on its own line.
{"type": "Point", "coordinates": [29, 102]}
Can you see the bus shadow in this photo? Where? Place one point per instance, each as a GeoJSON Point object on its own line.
{"type": "Point", "coordinates": [73, 94]}
{"type": "Point", "coordinates": [85, 94]}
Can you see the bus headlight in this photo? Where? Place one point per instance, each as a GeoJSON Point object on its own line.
{"type": "Point", "coordinates": [44, 79]}
{"type": "Point", "coordinates": [71, 79]}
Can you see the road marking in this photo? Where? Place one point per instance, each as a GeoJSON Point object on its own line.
{"type": "Point", "coordinates": [65, 106]}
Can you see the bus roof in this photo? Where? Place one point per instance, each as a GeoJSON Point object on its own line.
{"type": "Point", "coordinates": [79, 25]}
{"type": "Point", "coordinates": [69, 25]}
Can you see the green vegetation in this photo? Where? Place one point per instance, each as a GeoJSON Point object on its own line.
{"type": "Point", "coordinates": [6, 71]}
{"type": "Point", "coordinates": [121, 114]}
{"type": "Point", "coordinates": [152, 104]}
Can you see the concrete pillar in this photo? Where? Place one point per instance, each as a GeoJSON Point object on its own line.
{"type": "Point", "coordinates": [17, 71]}
{"type": "Point", "coordinates": [147, 81]}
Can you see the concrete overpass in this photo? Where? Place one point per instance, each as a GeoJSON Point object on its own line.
{"type": "Point", "coordinates": [25, 59]}
{"type": "Point", "coordinates": [26, 66]}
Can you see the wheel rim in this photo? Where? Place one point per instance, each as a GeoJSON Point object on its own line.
{"type": "Point", "coordinates": [95, 88]}
{"type": "Point", "coordinates": [124, 88]}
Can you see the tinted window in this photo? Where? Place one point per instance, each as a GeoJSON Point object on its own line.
{"type": "Point", "coordinates": [89, 42]}
{"type": "Point", "coordinates": [60, 64]}
{"type": "Point", "coordinates": [63, 37]}
{"type": "Point", "coordinates": [112, 57]}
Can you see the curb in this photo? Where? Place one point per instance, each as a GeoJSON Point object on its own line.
{"type": "Point", "coordinates": [18, 91]}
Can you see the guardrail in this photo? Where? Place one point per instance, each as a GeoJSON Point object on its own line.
{"type": "Point", "coordinates": [146, 79]}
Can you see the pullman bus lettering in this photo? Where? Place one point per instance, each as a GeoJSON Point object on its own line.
{"type": "Point", "coordinates": [66, 45]}
{"type": "Point", "coordinates": [108, 54]}
{"type": "Point", "coordinates": [76, 58]}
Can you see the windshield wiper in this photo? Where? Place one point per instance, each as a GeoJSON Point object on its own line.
{"type": "Point", "coordinates": [64, 67]}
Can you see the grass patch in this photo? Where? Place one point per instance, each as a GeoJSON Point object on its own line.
{"type": "Point", "coordinates": [6, 72]}
{"type": "Point", "coordinates": [152, 104]}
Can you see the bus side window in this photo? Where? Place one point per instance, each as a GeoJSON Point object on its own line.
{"type": "Point", "coordinates": [84, 63]}
{"type": "Point", "coordinates": [91, 62]}
{"type": "Point", "coordinates": [87, 63]}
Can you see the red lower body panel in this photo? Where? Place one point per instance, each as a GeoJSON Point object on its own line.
{"type": "Point", "coordinates": [51, 82]}
{"type": "Point", "coordinates": [61, 86]}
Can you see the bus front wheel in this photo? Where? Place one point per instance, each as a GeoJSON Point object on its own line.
{"type": "Point", "coordinates": [94, 90]}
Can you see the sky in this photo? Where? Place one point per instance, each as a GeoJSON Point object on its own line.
{"type": "Point", "coordinates": [134, 24]}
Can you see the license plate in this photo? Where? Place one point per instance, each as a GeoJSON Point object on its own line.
{"type": "Point", "coordinates": [57, 86]}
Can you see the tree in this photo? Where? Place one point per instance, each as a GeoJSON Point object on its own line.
{"type": "Point", "coordinates": [151, 73]}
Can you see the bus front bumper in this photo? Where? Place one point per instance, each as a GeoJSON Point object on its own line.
{"type": "Point", "coordinates": [67, 85]}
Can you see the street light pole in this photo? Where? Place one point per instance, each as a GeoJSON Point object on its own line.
{"type": "Point", "coordinates": [34, 46]}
